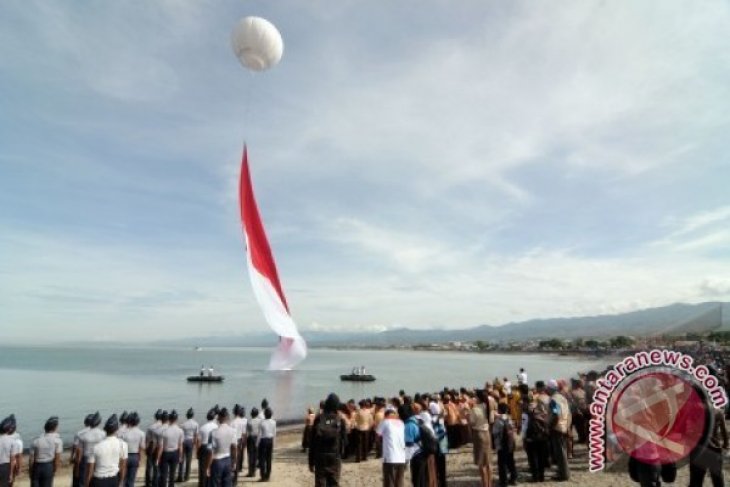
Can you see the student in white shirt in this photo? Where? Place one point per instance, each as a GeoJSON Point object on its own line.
{"type": "Point", "coordinates": [107, 464]}
{"type": "Point", "coordinates": [392, 431]}
{"type": "Point", "coordinates": [266, 443]}
{"type": "Point", "coordinates": [46, 455]}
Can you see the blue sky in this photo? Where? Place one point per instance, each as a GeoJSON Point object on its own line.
{"type": "Point", "coordinates": [421, 164]}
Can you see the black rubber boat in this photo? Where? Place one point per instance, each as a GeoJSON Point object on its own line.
{"type": "Point", "coordinates": [357, 377]}
{"type": "Point", "coordinates": [205, 378]}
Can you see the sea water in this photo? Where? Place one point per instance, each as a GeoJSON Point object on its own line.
{"type": "Point", "coordinates": [70, 382]}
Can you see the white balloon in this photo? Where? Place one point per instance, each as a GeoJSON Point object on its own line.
{"type": "Point", "coordinates": [257, 43]}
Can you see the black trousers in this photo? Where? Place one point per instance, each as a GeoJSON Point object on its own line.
{"type": "Point", "coordinates": [506, 464]}
{"type": "Point", "coordinates": [83, 466]}
{"type": "Point", "coordinates": [105, 482]}
{"type": "Point", "coordinates": [441, 469]}
{"type": "Point", "coordinates": [558, 444]}
{"type": "Point", "coordinates": [183, 471]}
{"type": "Point", "coordinates": [709, 460]}
{"type": "Point", "coordinates": [132, 467]}
{"type": "Point", "coordinates": [4, 474]}
{"type": "Point", "coordinates": [168, 466]}
{"type": "Point", "coordinates": [252, 455]}
{"type": "Point", "coordinates": [42, 475]}
{"type": "Point", "coordinates": [419, 470]}
{"type": "Point", "coordinates": [240, 453]}
{"type": "Point", "coordinates": [221, 474]}
{"type": "Point", "coordinates": [362, 443]}
{"type": "Point", "coordinates": [537, 454]}
{"type": "Point", "coordinates": [150, 470]}
{"type": "Point", "coordinates": [266, 450]}
{"type": "Point", "coordinates": [203, 453]}
{"type": "Point", "coordinates": [327, 471]}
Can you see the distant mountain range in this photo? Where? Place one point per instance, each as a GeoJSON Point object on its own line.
{"type": "Point", "coordinates": [675, 319]}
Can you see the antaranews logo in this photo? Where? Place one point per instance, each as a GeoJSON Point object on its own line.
{"type": "Point", "coordinates": [653, 405]}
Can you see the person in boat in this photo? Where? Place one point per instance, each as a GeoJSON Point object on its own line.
{"type": "Point", "coordinates": [210, 371]}
{"type": "Point", "coordinates": [202, 370]}
{"type": "Point", "coordinates": [355, 371]}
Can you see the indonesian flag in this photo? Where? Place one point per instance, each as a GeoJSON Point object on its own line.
{"type": "Point", "coordinates": [265, 280]}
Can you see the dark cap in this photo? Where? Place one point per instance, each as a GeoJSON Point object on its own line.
{"type": "Point", "coordinates": [5, 426]}
{"type": "Point", "coordinates": [237, 409]}
{"type": "Point", "coordinates": [190, 413]}
{"type": "Point", "coordinates": [223, 414]}
{"type": "Point", "coordinates": [51, 424]}
{"type": "Point", "coordinates": [211, 414]}
{"type": "Point", "coordinates": [133, 418]}
{"type": "Point", "coordinates": [173, 415]}
{"type": "Point", "coordinates": [95, 420]}
{"type": "Point", "coordinates": [332, 403]}
{"type": "Point", "coordinates": [158, 414]}
{"type": "Point", "coordinates": [264, 403]}
{"type": "Point", "coordinates": [87, 419]}
{"type": "Point", "coordinates": [254, 412]}
{"type": "Point", "coordinates": [124, 417]}
{"type": "Point", "coordinates": [165, 416]}
{"type": "Point", "coordinates": [112, 425]}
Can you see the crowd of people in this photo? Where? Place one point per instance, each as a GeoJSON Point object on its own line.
{"type": "Point", "coordinates": [111, 455]}
{"type": "Point", "coordinates": [417, 431]}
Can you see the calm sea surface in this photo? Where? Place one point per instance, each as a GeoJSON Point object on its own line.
{"type": "Point", "coordinates": [38, 382]}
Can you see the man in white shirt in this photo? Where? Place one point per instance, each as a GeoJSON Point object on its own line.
{"type": "Point", "coordinates": [88, 441]}
{"type": "Point", "coordinates": [45, 455]}
{"type": "Point", "coordinates": [223, 447]}
{"type": "Point", "coordinates": [253, 429]}
{"type": "Point", "coordinates": [392, 431]}
{"type": "Point", "coordinates": [136, 443]}
{"type": "Point", "coordinates": [8, 453]}
{"type": "Point", "coordinates": [107, 464]}
{"type": "Point", "coordinates": [150, 474]}
{"type": "Point", "coordinates": [239, 424]}
{"type": "Point", "coordinates": [522, 377]}
{"type": "Point", "coordinates": [190, 429]}
{"type": "Point", "coordinates": [266, 443]}
{"type": "Point", "coordinates": [204, 447]}
{"type": "Point", "coordinates": [76, 452]}
{"type": "Point", "coordinates": [170, 451]}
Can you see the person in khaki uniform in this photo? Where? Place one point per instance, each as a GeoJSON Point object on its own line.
{"type": "Point", "coordinates": [559, 424]}
{"type": "Point", "coordinates": [363, 426]}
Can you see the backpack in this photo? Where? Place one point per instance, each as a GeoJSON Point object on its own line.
{"type": "Point", "coordinates": [507, 442]}
{"type": "Point", "coordinates": [327, 434]}
{"type": "Point", "coordinates": [429, 442]}
{"type": "Point", "coordinates": [537, 423]}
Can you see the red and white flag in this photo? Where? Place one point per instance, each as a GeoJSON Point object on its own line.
{"type": "Point", "coordinates": [292, 348]}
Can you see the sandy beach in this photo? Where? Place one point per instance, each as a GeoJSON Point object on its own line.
{"type": "Point", "coordinates": [290, 469]}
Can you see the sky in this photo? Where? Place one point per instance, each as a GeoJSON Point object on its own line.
{"type": "Point", "coordinates": [422, 164]}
